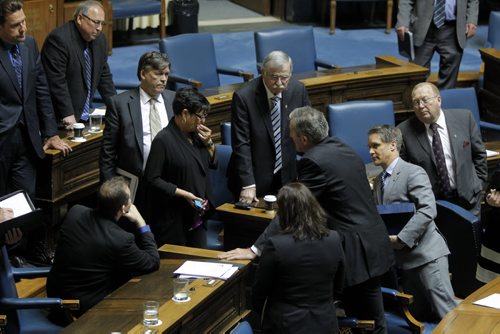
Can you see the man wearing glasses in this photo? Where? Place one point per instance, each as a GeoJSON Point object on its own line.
{"type": "Point", "coordinates": [75, 59]}
{"type": "Point", "coordinates": [448, 145]}
{"type": "Point", "coordinates": [264, 156]}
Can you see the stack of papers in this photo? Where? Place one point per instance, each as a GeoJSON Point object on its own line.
{"type": "Point", "coordinates": [206, 269]}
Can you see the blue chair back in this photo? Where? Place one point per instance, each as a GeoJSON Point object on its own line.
{"type": "Point", "coordinates": [242, 328]}
{"type": "Point", "coordinates": [461, 98]}
{"type": "Point", "coordinates": [494, 31]}
{"type": "Point", "coordinates": [225, 133]}
{"type": "Point", "coordinates": [350, 122]}
{"type": "Point", "coordinates": [192, 56]}
{"type": "Point", "coordinates": [298, 43]}
{"type": "Point", "coordinates": [135, 8]}
{"type": "Point", "coordinates": [220, 191]}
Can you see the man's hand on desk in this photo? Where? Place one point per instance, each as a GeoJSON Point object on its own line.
{"type": "Point", "coordinates": [248, 195]}
{"type": "Point", "coordinates": [57, 143]}
{"type": "Point", "coordinates": [68, 122]}
{"type": "Point", "coordinates": [238, 254]}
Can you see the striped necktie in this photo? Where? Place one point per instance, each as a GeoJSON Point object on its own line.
{"type": "Point", "coordinates": [154, 119]}
{"type": "Point", "coordinates": [17, 63]}
{"type": "Point", "coordinates": [88, 75]}
{"type": "Point", "coordinates": [276, 123]}
{"type": "Point", "coordinates": [439, 13]}
{"type": "Point", "coordinates": [384, 177]}
{"type": "Point", "coordinates": [443, 179]}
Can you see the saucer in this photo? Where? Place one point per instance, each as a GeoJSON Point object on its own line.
{"type": "Point", "coordinates": [181, 301]}
{"type": "Point", "coordinates": [158, 324]}
{"type": "Point", "coordinates": [79, 140]}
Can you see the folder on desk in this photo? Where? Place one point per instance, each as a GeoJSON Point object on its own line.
{"type": "Point", "coordinates": [406, 47]}
{"type": "Point", "coordinates": [26, 216]}
{"type": "Point", "coordinates": [395, 216]}
{"type": "Point", "coordinates": [204, 269]}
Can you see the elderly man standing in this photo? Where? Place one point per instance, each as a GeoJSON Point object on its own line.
{"type": "Point", "coordinates": [75, 59]}
{"type": "Point", "coordinates": [447, 145]}
{"type": "Point", "coordinates": [263, 156]}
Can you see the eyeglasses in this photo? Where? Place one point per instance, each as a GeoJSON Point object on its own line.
{"type": "Point", "coordinates": [97, 23]}
{"type": "Point", "coordinates": [275, 77]}
{"type": "Point", "coordinates": [203, 115]}
{"type": "Point", "coordinates": [424, 100]}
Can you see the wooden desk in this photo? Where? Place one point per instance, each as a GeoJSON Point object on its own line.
{"type": "Point", "coordinates": [470, 318]}
{"type": "Point", "coordinates": [211, 309]}
{"type": "Point", "coordinates": [242, 227]}
{"type": "Point", "coordinates": [492, 161]}
{"type": "Point", "coordinates": [490, 93]}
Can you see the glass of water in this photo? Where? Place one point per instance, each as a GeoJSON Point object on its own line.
{"type": "Point", "coordinates": [151, 313]}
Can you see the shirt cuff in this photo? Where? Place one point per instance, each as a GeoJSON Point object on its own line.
{"type": "Point", "coordinates": [144, 229]}
{"type": "Point", "coordinates": [248, 187]}
{"type": "Point", "coordinates": [255, 250]}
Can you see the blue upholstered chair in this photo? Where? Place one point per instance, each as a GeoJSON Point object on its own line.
{"type": "Point", "coordinates": [193, 61]}
{"type": "Point", "coordinates": [25, 314]}
{"type": "Point", "coordinates": [128, 9]}
{"type": "Point", "coordinates": [225, 133]}
{"type": "Point", "coordinates": [242, 328]}
{"type": "Point", "coordinates": [298, 43]}
{"type": "Point", "coordinates": [462, 231]}
{"type": "Point", "coordinates": [465, 98]}
{"type": "Point", "coordinates": [350, 122]}
{"type": "Point", "coordinates": [494, 31]}
{"type": "Point", "coordinates": [333, 13]}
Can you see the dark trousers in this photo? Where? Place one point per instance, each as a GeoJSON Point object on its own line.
{"type": "Point", "coordinates": [364, 301]}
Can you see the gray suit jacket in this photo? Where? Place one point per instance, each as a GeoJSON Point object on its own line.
{"type": "Point", "coordinates": [471, 170]}
{"type": "Point", "coordinates": [410, 183]}
{"type": "Point", "coordinates": [417, 16]}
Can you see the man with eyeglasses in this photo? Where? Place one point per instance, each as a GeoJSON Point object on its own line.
{"type": "Point", "coordinates": [448, 145]}
{"type": "Point", "coordinates": [264, 156]}
{"type": "Point", "coordinates": [75, 59]}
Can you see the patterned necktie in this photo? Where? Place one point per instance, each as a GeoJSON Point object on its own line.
{"type": "Point", "coordinates": [439, 13]}
{"type": "Point", "coordinates": [17, 63]}
{"type": "Point", "coordinates": [154, 119]}
{"type": "Point", "coordinates": [443, 179]}
{"type": "Point", "coordinates": [385, 175]}
{"type": "Point", "coordinates": [88, 75]}
{"type": "Point", "coordinates": [276, 123]}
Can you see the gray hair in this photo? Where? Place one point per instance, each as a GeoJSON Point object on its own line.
{"type": "Point", "coordinates": [309, 122]}
{"type": "Point", "coordinates": [434, 88]}
{"type": "Point", "coordinates": [388, 134]}
{"type": "Point", "coordinates": [152, 60]}
{"type": "Point", "coordinates": [84, 7]}
{"type": "Point", "coordinates": [276, 59]}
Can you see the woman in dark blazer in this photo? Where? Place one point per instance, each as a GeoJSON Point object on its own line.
{"type": "Point", "coordinates": [179, 192]}
{"type": "Point", "coordinates": [299, 268]}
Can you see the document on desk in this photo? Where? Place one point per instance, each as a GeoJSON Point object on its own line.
{"type": "Point", "coordinates": [492, 301]}
{"type": "Point", "coordinates": [490, 153]}
{"type": "Point", "coordinates": [206, 269]}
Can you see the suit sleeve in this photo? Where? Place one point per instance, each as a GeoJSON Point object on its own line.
{"type": "Point", "coordinates": [155, 165]}
{"type": "Point", "coordinates": [265, 276]}
{"type": "Point", "coordinates": [139, 258]}
{"type": "Point", "coordinates": [478, 151]}
{"type": "Point", "coordinates": [272, 229]}
{"type": "Point", "coordinates": [111, 138]}
{"type": "Point", "coordinates": [405, 8]}
{"type": "Point", "coordinates": [472, 12]}
{"type": "Point", "coordinates": [420, 193]}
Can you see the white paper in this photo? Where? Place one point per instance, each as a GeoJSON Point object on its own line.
{"type": "Point", "coordinates": [490, 301]}
{"type": "Point", "coordinates": [18, 203]}
{"type": "Point", "coordinates": [206, 269]}
{"type": "Point", "coordinates": [101, 111]}
{"type": "Point", "coordinates": [490, 153]}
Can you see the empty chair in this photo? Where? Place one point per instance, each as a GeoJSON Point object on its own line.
{"type": "Point", "coordinates": [298, 43]}
{"type": "Point", "coordinates": [494, 31]}
{"type": "Point", "coordinates": [192, 57]}
{"type": "Point", "coordinates": [123, 9]}
{"type": "Point", "coordinates": [350, 121]}
{"type": "Point", "coordinates": [333, 13]}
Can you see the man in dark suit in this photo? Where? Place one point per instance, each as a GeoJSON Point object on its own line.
{"type": "Point", "coordinates": [75, 58]}
{"type": "Point", "coordinates": [421, 251]}
{"type": "Point", "coordinates": [94, 256]}
{"type": "Point", "coordinates": [263, 156]}
{"type": "Point", "coordinates": [129, 131]}
{"type": "Point", "coordinates": [439, 25]}
{"type": "Point", "coordinates": [27, 123]}
{"type": "Point", "coordinates": [336, 176]}
{"type": "Point", "coordinates": [464, 170]}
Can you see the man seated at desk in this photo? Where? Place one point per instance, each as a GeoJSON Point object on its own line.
{"type": "Point", "coordinates": [94, 256]}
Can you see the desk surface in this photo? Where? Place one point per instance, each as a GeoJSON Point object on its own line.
{"type": "Point", "coordinates": [209, 308]}
{"type": "Point", "coordinates": [470, 318]}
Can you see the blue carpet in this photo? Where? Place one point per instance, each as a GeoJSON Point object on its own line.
{"type": "Point", "coordinates": [345, 48]}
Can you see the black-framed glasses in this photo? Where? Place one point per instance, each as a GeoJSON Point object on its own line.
{"type": "Point", "coordinates": [202, 115]}
{"type": "Point", "coordinates": [97, 23]}
{"type": "Point", "coordinates": [424, 100]}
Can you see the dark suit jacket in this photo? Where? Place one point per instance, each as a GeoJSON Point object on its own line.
{"type": "Point", "coordinates": [94, 256]}
{"type": "Point", "coordinates": [173, 162]}
{"type": "Point", "coordinates": [62, 56]}
{"type": "Point", "coordinates": [32, 105]}
{"type": "Point", "coordinates": [337, 178]}
{"type": "Point", "coordinates": [252, 161]}
{"type": "Point", "coordinates": [471, 170]}
{"type": "Point", "coordinates": [299, 288]}
{"type": "Point", "coordinates": [122, 144]}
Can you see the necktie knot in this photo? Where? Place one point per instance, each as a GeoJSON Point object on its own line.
{"type": "Point", "coordinates": [433, 126]}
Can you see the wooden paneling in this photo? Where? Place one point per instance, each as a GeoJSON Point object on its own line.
{"type": "Point", "coordinates": [41, 18]}
{"type": "Point", "coordinates": [490, 93]}
{"type": "Point", "coordinates": [260, 6]}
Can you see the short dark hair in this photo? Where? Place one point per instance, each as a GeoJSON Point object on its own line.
{"type": "Point", "coordinates": [190, 99]}
{"type": "Point", "coordinates": [8, 7]}
{"type": "Point", "coordinates": [300, 214]}
{"type": "Point", "coordinates": [153, 60]}
{"type": "Point", "coordinates": [388, 134]}
{"type": "Point", "coordinates": [112, 196]}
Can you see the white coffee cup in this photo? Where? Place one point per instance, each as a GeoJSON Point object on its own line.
{"type": "Point", "coordinates": [78, 130]}
{"type": "Point", "coordinates": [270, 200]}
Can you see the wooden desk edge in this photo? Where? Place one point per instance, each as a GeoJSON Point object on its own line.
{"type": "Point", "coordinates": [205, 253]}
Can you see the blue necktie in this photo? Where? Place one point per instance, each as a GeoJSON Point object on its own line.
{"type": "Point", "coordinates": [88, 74]}
{"type": "Point", "coordinates": [276, 123]}
{"type": "Point", "coordinates": [439, 13]}
{"type": "Point", "coordinates": [17, 63]}
{"type": "Point", "coordinates": [385, 175]}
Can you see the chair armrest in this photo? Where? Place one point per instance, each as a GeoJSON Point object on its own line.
{"type": "Point", "coordinates": [178, 79]}
{"type": "Point", "coordinates": [489, 126]}
{"type": "Point", "coordinates": [402, 300]}
{"type": "Point", "coordinates": [397, 296]}
{"type": "Point", "coordinates": [29, 303]}
{"type": "Point", "coordinates": [30, 272]}
{"type": "Point", "coordinates": [236, 72]}
{"type": "Point", "coordinates": [350, 322]}
{"type": "Point", "coordinates": [324, 63]}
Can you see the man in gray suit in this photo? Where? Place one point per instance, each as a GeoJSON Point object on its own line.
{"type": "Point", "coordinates": [463, 151]}
{"type": "Point", "coordinates": [134, 117]}
{"type": "Point", "coordinates": [439, 25]}
{"type": "Point", "coordinates": [420, 249]}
